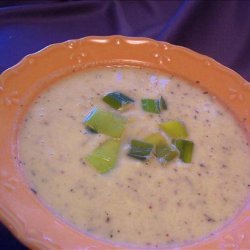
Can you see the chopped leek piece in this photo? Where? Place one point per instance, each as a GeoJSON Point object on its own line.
{"type": "Point", "coordinates": [155, 138]}
{"type": "Point", "coordinates": [105, 156]}
{"type": "Point", "coordinates": [186, 149]}
{"type": "Point", "coordinates": [163, 104]}
{"type": "Point", "coordinates": [117, 100]}
{"type": "Point", "coordinates": [174, 129]}
{"type": "Point", "coordinates": [162, 150]}
{"type": "Point", "coordinates": [140, 150]}
{"type": "Point", "coordinates": [154, 105]}
{"type": "Point", "coordinates": [105, 122]}
{"type": "Point", "coordinates": [151, 105]}
{"type": "Point", "coordinates": [166, 152]}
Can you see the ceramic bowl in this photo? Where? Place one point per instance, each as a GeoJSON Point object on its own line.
{"type": "Point", "coordinates": [20, 210]}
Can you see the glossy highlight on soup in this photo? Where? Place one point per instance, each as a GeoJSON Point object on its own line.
{"type": "Point", "coordinates": [142, 203]}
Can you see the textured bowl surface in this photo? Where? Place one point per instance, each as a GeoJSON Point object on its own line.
{"type": "Point", "coordinates": [20, 210]}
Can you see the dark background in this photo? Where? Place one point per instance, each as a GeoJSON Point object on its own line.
{"type": "Point", "coordinates": [219, 29]}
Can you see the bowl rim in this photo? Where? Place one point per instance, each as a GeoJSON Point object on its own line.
{"type": "Point", "coordinates": [20, 210]}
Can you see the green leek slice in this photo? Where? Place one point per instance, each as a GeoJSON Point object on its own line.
{"type": "Point", "coordinates": [166, 152]}
{"type": "Point", "coordinates": [155, 138]}
{"type": "Point", "coordinates": [186, 149]}
{"type": "Point", "coordinates": [105, 156]}
{"type": "Point", "coordinates": [105, 122]}
{"type": "Point", "coordinates": [140, 150]}
{"type": "Point", "coordinates": [163, 104]}
{"type": "Point", "coordinates": [162, 150]}
{"type": "Point", "coordinates": [174, 129]}
{"type": "Point", "coordinates": [154, 105]}
{"type": "Point", "coordinates": [150, 105]}
{"type": "Point", "coordinates": [117, 100]}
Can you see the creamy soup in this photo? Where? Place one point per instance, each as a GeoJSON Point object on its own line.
{"type": "Point", "coordinates": [142, 203]}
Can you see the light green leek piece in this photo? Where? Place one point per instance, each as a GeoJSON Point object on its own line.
{"type": "Point", "coordinates": [174, 129]}
{"type": "Point", "coordinates": [166, 152]}
{"type": "Point", "coordinates": [104, 157]}
{"type": "Point", "coordinates": [155, 138]}
{"type": "Point", "coordinates": [186, 149]}
{"type": "Point", "coordinates": [162, 150]}
{"type": "Point", "coordinates": [105, 122]}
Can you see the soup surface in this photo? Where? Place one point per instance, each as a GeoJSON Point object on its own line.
{"type": "Point", "coordinates": [142, 203]}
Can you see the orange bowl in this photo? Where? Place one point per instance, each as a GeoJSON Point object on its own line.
{"type": "Point", "coordinates": [30, 221]}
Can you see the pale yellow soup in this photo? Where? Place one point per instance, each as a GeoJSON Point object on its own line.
{"type": "Point", "coordinates": [140, 203]}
